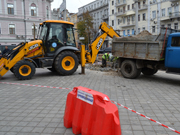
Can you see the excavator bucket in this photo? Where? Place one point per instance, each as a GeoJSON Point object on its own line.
{"type": "Point", "coordinates": [3, 69]}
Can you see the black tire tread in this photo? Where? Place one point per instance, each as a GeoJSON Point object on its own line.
{"type": "Point", "coordinates": [136, 72]}
{"type": "Point", "coordinates": [17, 66]}
{"type": "Point", "coordinates": [58, 60]}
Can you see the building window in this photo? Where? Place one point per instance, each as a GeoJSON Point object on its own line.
{"type": "Point", "coordinates": [162, 26]}
{"type": "Point", "coordinates": [139, 17]}
{"type": "Point", "coordinates": [144, 16]}
{"type": "Point", "coordinates": [128, 19]}
{"type": "Point", "coordinates": [153, 14]}
{"type": "Point", "coordinates": [112, 22]}
{"type": "Point", "coordinates": [112, 2]}
{"type": "Point", "coordinates": [124, 20]}
{"type": "Point", "coordinates": [153, 29]}
{"type": "Point", "coordinates": [169, 26]}
{"type": "Point", "coordinates": [0, 28]}
{"type": "Point", "coordinates": [97, 4]}
{"type": "Point", "coordinates": [163, 12]}
{"type": "Point", "coordinates": [118, 10]}
{"type": "Point", "coordinates": [94, 5]}
{"type": "Point", "coordinates": [128, 7]}
{"type": "Point", "coordinates": [154, 1]}
{"type": "Point", "coordinates": [10, 9]}
{"type": "Point", "coordinates": [132, 31]}
{"type": "Point", "coordinates": [11, 29]}
{"type": "Point", "coordinates": [47, 10]}
{"type": "Point", "coordinates": [33, 9]}
{"type": "Point", "coordinates": [139, 29]}
{"type": "Point", "coordinates": [128, 31]}
{"type": "Point", "coordinates": [139, 6]}
{"type": "Point", "coordinates": [144, 2]}
{"type": "Point", "coordinates": [118, 21]}
{"type": "Point", "coordinates": [133, 18]}
{"type": "Point", "coordinates": [132, 6]}
{"type": "Point", "coordinates": [176, 26]}
{"type": "Point", "coordinates": [144, 28]}
{"type": "Point", "coordinates": [113, 11]}
{"type": "Point", "coordinates": [176, 10]}
{"type": "Point", "coordinates": [170, 11]}
{"type": "Point", "coordinates": [124, 9]}
{"type": "Point", "coordinates": [34, 29]}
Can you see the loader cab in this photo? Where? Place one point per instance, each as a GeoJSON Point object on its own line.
{"type": "Point", "coordinates": [56, 34]}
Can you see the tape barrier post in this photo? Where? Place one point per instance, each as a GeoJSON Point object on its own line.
{"type": "Point", "coordinates": [89, 112]}
{"type": "Point", "coordinates": [145, 117]}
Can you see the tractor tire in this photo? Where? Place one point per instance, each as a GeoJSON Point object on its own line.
{"type": "Point", "coordinates": [129, 69]}
{"type": "Point", "coordinates": [52, 69]}
{"type": "Point", "coordinates": [24, 70]}
{"type": "Point", "coordinates": [12, 69]}
{"type": "Point", "coordinates": [66, 63]}
{"type": "Point", "coordinates": [148, 71]}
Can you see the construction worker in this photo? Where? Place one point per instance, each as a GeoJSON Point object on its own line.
{"type": "Point", "coordinates": [5, 50]}
{"type": "Point", "coordinates": [105, 58]}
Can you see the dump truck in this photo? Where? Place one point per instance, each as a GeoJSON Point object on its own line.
{"type": "Point", "coordinates": [54, 49]}
{"type": "Point", "coordinates": [148, 54]}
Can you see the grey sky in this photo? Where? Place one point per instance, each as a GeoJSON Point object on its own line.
{"type": "Point", "coordinates": [71, 5]}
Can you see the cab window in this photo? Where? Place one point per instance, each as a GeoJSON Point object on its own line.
{"type": "Point", "coordinates": [70, 35]}
{"type": "Point", "coordinates": [56, 33]}
{"type": "Point", "coordinates": [175, 42]}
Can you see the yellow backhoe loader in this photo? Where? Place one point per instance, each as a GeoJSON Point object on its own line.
{"type": "Point", "coordinates": [54, 48]}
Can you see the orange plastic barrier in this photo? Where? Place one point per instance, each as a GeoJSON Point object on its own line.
{"type": "Point", "coordinates": [89, 112]}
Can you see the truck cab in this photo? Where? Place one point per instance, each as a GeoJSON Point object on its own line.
{"type": "Point", "coordinates": [172, 55]}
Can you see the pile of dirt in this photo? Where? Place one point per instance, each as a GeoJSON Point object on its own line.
{"type": "Point", "coordinates": [142, 36]}
{"type": "Point", "coordinates": [143, 33]}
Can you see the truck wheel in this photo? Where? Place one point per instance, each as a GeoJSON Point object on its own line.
{"type": "Point", "coordinates": [66, 63]}
{"type": "Point", "coordinates": [129, 69]}
{"type": "Point", "coordinates": [24, 70]}
{"type": "Point", "coordinates": [148, 71]}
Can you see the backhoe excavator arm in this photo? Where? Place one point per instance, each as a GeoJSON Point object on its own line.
{"type": "Point", "coordinates": [90, 56]}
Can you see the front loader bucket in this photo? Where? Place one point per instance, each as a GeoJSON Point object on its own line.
{"type": "Point", "coordinates": [3, 69]}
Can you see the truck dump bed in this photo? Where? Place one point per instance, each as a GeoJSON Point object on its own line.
{"type": "Point", "coordinates": [142, 46]}
{"type": "Point", "coordinates": [138, 48]}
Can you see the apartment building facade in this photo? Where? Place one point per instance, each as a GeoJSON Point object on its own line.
{"type": "Point", "coordinates": [152, 15]}
{"type": "Point", "coordinates": [12, 22]}
{"type": "Point", "coordinates": [99, 10]}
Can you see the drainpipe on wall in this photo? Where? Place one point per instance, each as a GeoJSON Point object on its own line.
{"type": "Point", "coordinates": [24, 20]}
{"type": "Point", "coordinates": [136, 2]}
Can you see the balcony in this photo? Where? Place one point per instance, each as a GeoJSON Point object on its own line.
{"type": "Point", "coordinates": [174, 15]}
{"type": "Point", "coordinates": [142, 7]}
{"type": "Point", "coordinates": [105, 17]}
{"type": "Point", "coordinates": [164, 18]}
{"type": "Point", "coordinates": [121, 3]}
{"type": "Point", "coordinates": [130, 12]}
{"type": "Point", "coordinates": [123, 13]}
{"type": "Point", "coordinates": [128, 24]}
{"type": "Point", "coordinates": [173, 0]}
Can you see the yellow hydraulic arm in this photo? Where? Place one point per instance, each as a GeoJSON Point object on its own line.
{"type": "Point", "coordinates": [90, 56]}
{"type": "Point", "coordinates": [22, 51]}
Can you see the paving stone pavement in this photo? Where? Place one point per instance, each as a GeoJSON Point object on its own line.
{"type": "Point", "coordinates": [26, 110]}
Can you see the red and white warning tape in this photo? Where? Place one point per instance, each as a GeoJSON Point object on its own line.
{"type": "Point", "coordinates": [111, 101]}
{"type": "Point", "coordinates": [36, 85]}
{"type": "Point", "coordinates": [145, 117]}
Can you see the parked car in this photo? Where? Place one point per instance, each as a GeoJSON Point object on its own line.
{"type": "Point", "coordinates": [106, 50]}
